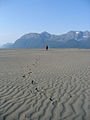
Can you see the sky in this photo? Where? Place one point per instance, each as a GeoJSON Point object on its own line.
{"type": "Point", "coordinates": [19, 17]}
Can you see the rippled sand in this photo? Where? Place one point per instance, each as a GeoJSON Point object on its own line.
{"type": "Point", "coordinates": [45, 85]}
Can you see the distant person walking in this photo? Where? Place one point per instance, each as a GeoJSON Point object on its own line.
{"type": "Point", "coordinates": [46, 47]}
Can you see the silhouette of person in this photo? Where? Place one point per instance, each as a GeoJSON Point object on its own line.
{"type": "Point", "coordinates": [46, 47]}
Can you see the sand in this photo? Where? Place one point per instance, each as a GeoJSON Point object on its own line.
{"type": "Point", "coordinates": [45, 85]}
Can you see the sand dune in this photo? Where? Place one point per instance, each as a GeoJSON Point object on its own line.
{"type": "Point", "coordinates": [45, 85]}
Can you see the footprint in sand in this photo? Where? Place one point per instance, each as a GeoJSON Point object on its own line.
{"type": "Point", "coordinates": [30, 72]}
{"type": "Point", "coordinates": [23, 76]}
{"type": "Point", "coordinates": [50, 99]}
{"type": "Point", "coordinates": [32, 82]}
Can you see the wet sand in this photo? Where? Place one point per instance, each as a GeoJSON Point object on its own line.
{"type": "Point", "coordinates": [45, 85]}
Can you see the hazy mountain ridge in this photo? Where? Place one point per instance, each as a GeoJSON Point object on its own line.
{"type": "Point", "coordinates": [72, 39]}
{"type": "Point", "coordinates": [7, 45]}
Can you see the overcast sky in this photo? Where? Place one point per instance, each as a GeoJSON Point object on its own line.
{"type": "Point", "coordinates": [18, 17]}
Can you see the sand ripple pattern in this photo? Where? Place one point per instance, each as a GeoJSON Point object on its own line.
{"type": "Point", "coordinates": [45, 85]}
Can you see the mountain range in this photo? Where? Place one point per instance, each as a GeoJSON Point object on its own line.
{"type": "Point", "coordinates": [72, 39]}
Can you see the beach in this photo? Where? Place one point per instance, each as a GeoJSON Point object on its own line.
{"type": "Point", "coordinates": [36, 84]}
